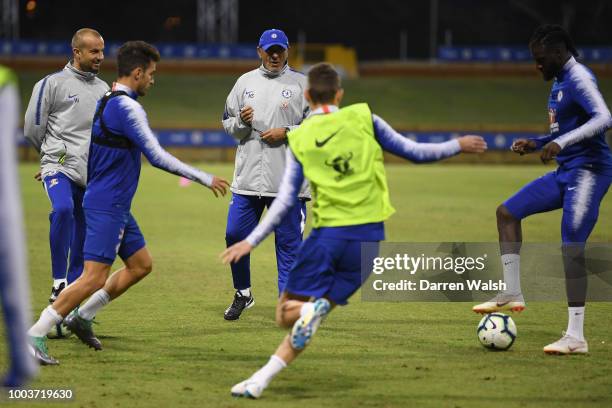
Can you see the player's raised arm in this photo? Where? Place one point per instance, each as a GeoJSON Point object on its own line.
{"type": "Point", "coordinates": [292, 181]}
{"type": "Point", "coordinates": [395, 143]}
{"type": "Point", "coordinates": [138, 131]}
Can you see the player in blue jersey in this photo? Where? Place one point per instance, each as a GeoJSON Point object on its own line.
{"type": "Point", "coordinates": [120, 134]}
{"type": "Point", "coordinates": [579, 118]}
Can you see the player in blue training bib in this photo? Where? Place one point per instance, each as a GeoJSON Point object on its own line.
{"type": "Point", "coordinates": [578, 118]}
{"type": "Point", "coordinates": [119, 136]}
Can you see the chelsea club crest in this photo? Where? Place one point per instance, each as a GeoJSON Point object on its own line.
{"type": "Point", "coordinates": [286, 93]}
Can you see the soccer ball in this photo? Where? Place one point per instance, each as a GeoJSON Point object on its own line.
{"type": "Point", "coordinates": [59, 331]}
{"type": "Point", "coordinates": [496, 331]}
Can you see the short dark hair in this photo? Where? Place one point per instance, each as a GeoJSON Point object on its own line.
{"type": "Point", "coordinates": [135, 54]}
{"type": "Point", "coordinates": [323, 83]}
{"type": "Point", "coordinates": [549, 35]}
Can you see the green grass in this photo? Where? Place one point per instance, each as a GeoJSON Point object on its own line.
{"type": "Point", "coordinates": [166, 343]}
{"type": "Point", "coordinates": [407, 103]}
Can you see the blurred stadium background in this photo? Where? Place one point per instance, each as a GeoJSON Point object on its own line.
{"type": "Point", "coordinates": [432, 68]}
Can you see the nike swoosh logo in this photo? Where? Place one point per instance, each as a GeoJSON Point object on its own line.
{"type": "Point", "coordinates": [571, 188]}
{"type": "Point", "coordinates": [324, 141]}
{"type": "Point", "coordinates": [502, 304]}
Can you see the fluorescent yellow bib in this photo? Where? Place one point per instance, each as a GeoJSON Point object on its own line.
{"type": "Point", "coordinates": [344, 164]}
{"type": "Point", "coordinates": [6, 76]}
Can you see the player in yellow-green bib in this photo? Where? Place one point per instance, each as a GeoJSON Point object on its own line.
{"type": "Point", "coordinates": [340, 152]}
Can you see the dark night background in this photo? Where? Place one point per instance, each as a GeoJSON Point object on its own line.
{"type": "Point", "coordinates": [372, 27]}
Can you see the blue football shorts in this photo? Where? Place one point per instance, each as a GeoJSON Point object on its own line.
{"type": "Point", "coordinates": [110, 234]}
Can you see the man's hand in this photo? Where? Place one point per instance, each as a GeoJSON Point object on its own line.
{"type": "Point", "coordinates": [275, 135]}
{"type": "Point", "coordinates": [246, 114]}
{"type": "Point", "coordinates": [235, 252]}
{"type": "Point", "coordinates": [38, 176]}
{"type": "Point", "coordinates": [219, 186]}
{"type": "Point", "coordinates": [549, 152]}
{"type": "Point", "coordinates": [472, 144]}
{"type": "Point", "coordinates": [523, 146]}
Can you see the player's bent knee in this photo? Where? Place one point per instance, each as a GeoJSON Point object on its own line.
{"type": "Point", "coordinates": [141, 270]}
{"type": "Point", "coordinates": [281, 317]}
{"type": "Point", "coordinates": [282, 322]}
{"type": "Point", "coordinates": [145, 266]}
{"type": "Point", "coordinates": [503, 215]}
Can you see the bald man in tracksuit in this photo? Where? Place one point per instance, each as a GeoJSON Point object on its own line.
{"type": "Point", "coordinates": [58, 124]}
{"type": "Point", "coordinates": [263, 105]}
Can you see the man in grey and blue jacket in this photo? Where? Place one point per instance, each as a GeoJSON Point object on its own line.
{"type": "Point", "coordinates": [263, 105]}
{"type": "Point", "coordinates": [58, 124]}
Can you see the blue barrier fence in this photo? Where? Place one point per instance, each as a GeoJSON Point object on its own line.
{"type": "Point", "coordinates": [513, 54]}
{"type": "Point", "coordinates": [167, 50]}
{"type": "Point", "coordinates": [209, 138]}
{"type": "Point", "coordinates": [33, 48]}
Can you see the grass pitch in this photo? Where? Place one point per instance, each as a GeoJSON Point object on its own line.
{"type": "Point", "coordinates": [166, 343]}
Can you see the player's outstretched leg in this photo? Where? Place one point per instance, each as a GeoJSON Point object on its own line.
{"type": "Point", "coordinates": [510, 239]}
{"type": "Point", "coordinates": [93, 278]}
{"type": "Point", "coordinates": [137, 266]}
{"type": "Point", "coordinates": [291, 310]}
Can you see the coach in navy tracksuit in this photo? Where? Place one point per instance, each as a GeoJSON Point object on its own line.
{"type": "Point", "coordinates": [263, 105]}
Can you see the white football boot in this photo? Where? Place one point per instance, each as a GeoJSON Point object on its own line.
{"type": "Point", "coordinates": [247, 388]}
{"type": "Point", "coordinates": [502, 302]}
{"type": "Point", "coordinates": [567, 345]}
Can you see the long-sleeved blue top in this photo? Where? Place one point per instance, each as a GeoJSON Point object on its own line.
{"type": "Point", "coordinates": [578, 118]}
{"type": "Point", "coordinates": [113, 173]}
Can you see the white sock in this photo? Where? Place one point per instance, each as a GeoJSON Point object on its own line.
{"type": "Point", "coordinates": [575, 322]}
{"type": "Point", "coordinates": [58, 282]}
{"type": "Point", "coordinates": [48, 318]}
{"type": "Point", "coordinates": [269, 371]}
{"type": "Point", "coordinates": [512, 273]}
{"type": "Point", "coordinates": [96, 302]}
{"type": "Point", "coordinates": [306, 308]}
{"type": "Point", "coordinates": [245, 292]}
